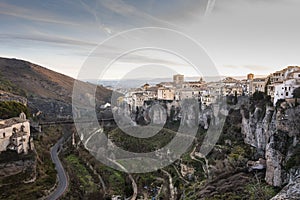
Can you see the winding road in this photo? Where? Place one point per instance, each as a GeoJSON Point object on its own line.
{"type": "Point", "coordinates": [205, 165]}
{"type": "Point", "coordinates": [61, 173]}
{"type": "Point", "coordinates": [171, 186]}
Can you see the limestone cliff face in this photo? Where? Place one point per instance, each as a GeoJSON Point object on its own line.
{"type": "Point", "coordinates": [255, 128]}
{"type": "Point", "coordinates": [158, 112]}
{"type": "Point", "coordinates": [275, 135]}
{"type": "Point", "coordinates": [292, 190]}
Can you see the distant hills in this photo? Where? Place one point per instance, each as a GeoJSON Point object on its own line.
{"type": "Point", "coordinates": [134, 83]}
{"type": "Point", "coordinates": [47, 91]}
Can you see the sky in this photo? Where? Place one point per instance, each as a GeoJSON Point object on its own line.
{"type": "Point", "coordinates": [239, 36]}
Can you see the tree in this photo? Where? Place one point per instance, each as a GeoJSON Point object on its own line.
{"type": "Point", "coordinates": [235, 98]}
{"type": "Point", "coordinates": [296, 93]}
{"type": "Point", "coordinates": [266, 86]}
{"type": "Point", "coordinates": [257, 95]}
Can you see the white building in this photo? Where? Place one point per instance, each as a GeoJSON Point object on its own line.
{"type": "Point", "coordinates": [285, 89]}
{"type": "Point", "coordinates": [278, 77]}
{"type": "Point", "coordinates": [15, 134]}
{"type": "Point", "coordinates": [187, 93]}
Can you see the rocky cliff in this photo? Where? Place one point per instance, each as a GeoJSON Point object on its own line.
{"type": "Point", "coordinates": [275, 132]}
{"type": "Point", "coordinates": [292, 190]}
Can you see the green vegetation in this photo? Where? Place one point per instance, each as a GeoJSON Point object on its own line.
{"type": "Point", "coordinates": [294, 160]}
{"type": "Point", "coordinates": [296, 93]}
{"type": "Point", "coordinates": [8, 86]}
{"type": "Point", "coordinates": [266, 86]}
{"type": "Point", "coordinates": [116, 181]}
{"type": "Point", "coordinates": [239, 153]}
{"type": "Point", "coordinates": [9, 109]}
{"type": "Point", "coordinates": [260, 191]}
{"type": "Point", "coordinates": [82, 174]}
{"type": "Point", "coordinates": [123, 140]}
{"type": "Point", "coordinates": [257, 96]}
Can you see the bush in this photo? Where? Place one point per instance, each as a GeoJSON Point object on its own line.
{"type": "Point", "coordinates": [296, 93]}
{"type": "Point", "coordinates": [9, 109]}
{"type": "Point", "coordinates": [294, 160]}
{"type": "Point", "coordinates": [257, 96]}
{"type": "Point", "coordinates": [260, 191]}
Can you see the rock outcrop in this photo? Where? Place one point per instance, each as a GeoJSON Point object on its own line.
{"type": "Point", "coordinates": [292, 190]}
{"type": "Point", "coordinates": [17, 167]}
{"type": "Point", "coordinates": [275, 136]}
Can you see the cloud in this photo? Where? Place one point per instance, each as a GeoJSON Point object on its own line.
{"type": "Point", "coordinates": [142, 59]}
{"type": "Point", "coordinates": [94, 13]}
{"type": "Point", "coordinates": [34, 15]}
{"type": "Point", "coordinates": [121, 8]}
{"type": "Point", "coordinates": [47, 38]}
{"type": "Point", "coordinates": [134, 57]}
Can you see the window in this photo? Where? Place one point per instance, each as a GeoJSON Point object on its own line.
{"type": "Point", "coordinates": [287, 94]}
{"type": "Point", "coordinates": [3, 135]}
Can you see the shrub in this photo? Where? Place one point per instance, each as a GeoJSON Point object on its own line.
{"type": "Point", "coordinates": [9, 109]}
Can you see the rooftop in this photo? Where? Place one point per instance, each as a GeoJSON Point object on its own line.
{"type": "Point", "coordinates": [9, 122]}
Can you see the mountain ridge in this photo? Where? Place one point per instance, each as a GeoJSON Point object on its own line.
{"type": "Point", "coordinates": [46, 90]}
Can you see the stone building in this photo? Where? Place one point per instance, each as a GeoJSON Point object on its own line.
{"type": "Point", "coordinates": [258, 85]}
{"type": "Point", "coordinates": [15, 134]}
{"type": "Point", "coordinates": [165, 93]}
{"type": "Point", "coordinates": [178, 80]}
{"type": "Point", "coordinates": [255, 84]}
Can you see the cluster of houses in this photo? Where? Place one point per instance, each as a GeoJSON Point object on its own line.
{"type": "Point", "coordinates": [279, 85]}
{"type": "Point", "coordinates": [283, 83]}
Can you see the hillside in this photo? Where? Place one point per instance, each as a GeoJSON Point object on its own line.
{"type": "Point", "coordinates": [46, 90]}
